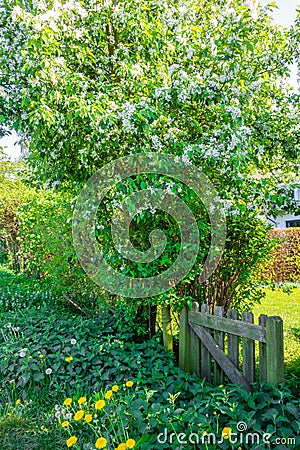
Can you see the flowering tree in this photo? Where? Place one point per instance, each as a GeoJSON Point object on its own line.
{"type": "Point", "coordinates": [87, 82]}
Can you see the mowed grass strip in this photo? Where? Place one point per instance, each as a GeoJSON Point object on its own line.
{"type": "Point", "coordinates": [287, 306]}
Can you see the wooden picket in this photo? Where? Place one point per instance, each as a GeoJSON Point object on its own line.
{"type": "Point", "coordinates": [202, 348]}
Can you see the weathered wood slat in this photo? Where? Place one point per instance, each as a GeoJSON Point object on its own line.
{"type": "Point", "coordinates": [205, 356]}
{"type": "Point", "coordinates": [219, 338]}
{"type": "Point", "coordinates": [233, 340]}
{"type": "Point", "coordinates": [248, 350]}
{"type": "Point", "coordinates": [262, 352]}
{"type": "Point", "coordinates": [232, 372]}
{"type": "Point", "coordinates": [274, 350]}
{"type": "Point", "coordinates": [251, 331]}
{"type": "Point", "coordinates": [195, 347]}
{"type": "Point", "coordinates": [184, 341]}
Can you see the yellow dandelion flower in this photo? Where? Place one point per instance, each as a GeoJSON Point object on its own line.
{"type": "Point", "coordinates": [215, 412]}
{"type": "Point", "coordinates": [68, 401]}
{"type": "Point", "coordinates": [226, 432]}
{"type": "Point", "coordinates": [69, 358]}
{"type": "Point", "coordinates": [129, 383]}
{"type": "Point", "coordinates": [100, 404]}
{"type": "Point", "coordinates": [41, 356]}
{"type": "Point", "coordinates": [30, 357]}
{"type": "Point", "coordinates": [130, 443]}
{"type": "Point", "coordinates": [88, 418]}
{"type": "Point", "coordinates": [18, 401]}
{"type": "Point", "coordinates": [79, 415]}
{"type": "Point", "coordinates": [65, 424]}
{"type": "Point", "coordinates": [81, 400]}
{"type": "Point", "coordinates": [115, 388]}
{"type": "Point", "coordinates": [204, 433]}
{"type": "Point", "coordinates": [42, 427]}
{"type": "Point", "coordinates": [71, 441]}
{"type": "Point", "coordinates": [108, 394]}
{"type": "Point", "coordinates": [121, 446]}
{"type": "Point", "coordinates": [101, 442]}
{"type": "Point", "coordinates": [221, 385]}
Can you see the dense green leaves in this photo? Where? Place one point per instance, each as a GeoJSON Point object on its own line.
{"type": "Point", "coordinates": [87, 82]}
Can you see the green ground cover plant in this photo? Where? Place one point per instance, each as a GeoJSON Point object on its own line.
{"type": "Point", "coordinates": [56, 364]}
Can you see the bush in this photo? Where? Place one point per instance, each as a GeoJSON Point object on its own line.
{"type": "Point", "coordinates": [45, 236]}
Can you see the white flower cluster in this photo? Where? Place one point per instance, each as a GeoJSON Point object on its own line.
{"type": "Point", "coordinates": [125, 114]}
{"type": "Point", "coordinates": [61, 413]}
{"type": "Point", "coordinates": [157, 145]}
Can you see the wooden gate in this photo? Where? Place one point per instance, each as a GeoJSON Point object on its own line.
{"type": "Point", "coordinates": [209, 345]}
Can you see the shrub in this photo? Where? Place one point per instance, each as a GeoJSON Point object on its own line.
{"type": "Point", "coordinates": [45, 236]}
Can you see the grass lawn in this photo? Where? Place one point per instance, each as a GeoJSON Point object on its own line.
{"type": "Point", "coordinates": [287, 306]}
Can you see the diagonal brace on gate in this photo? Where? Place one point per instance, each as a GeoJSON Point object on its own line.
{"type": "Point", "coordinates": [226, 365]}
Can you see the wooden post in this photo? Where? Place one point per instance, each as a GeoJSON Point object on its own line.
{"type": "Point", "coordinates": [195, 347]}
{"type": "Point", "coordinates": [274, 350]}
{"type": "Point", "coordinates": [262, 352]}
{"type": "Point", "coordinates": [233, 341]}
{"type": "Point", "coordinates": [248, 351]}
{"type": "Point", "coordinates": [184, 341]}
{"type": "Point", "coordinates": [219, 338]}
{"type": "Point", "coordinates": [205, 355]}
{"type": "Point", "coordinates": [167, 328]}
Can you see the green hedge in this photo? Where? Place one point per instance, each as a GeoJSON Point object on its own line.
{"type": "Point", "coordinates": [285, 262]}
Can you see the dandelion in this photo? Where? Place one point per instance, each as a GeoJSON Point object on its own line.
{"type": "Point", "coordinates": [121, 446]}
{"type": "Point", "coordinates": [130, 443]}
{"type": "Point", "coordinates": [226, 432]}
{"type": "Point", "coordinates": [79, 415]}
{"type": "Point", "coordinates": [129, 383]}
{"type": "Point", "coordinates": [100, 404]}
{"type": "Point", "coordinates": [108, 394]}
{"type": "Point", "coordinates": [41, 356]}
{"type": "Point", "coordinates": [115, 388]}
{"type": "Point", "coordinates": [101, 442]}
{"type": "Point", "coordinates": [71, 441]}
{"type": "Point", "coordinates": [73, 341]}
{"type": "Point", "coordinates": [65, 424]}
{"type": "Point", "coordinates": [69, 358]}
{"type": "Point", "coordinates": [18, 401]}
{"type": "Point", "coordinates": [30, 357]}
{"type": "Point", "coordinates": [81, 400]}
{"type": "Point", "coordinates": [48, 371]}
{"type": "Point", "coordinates": [68, 401]}
{"type": "Point", "coordinates": [88, 418]}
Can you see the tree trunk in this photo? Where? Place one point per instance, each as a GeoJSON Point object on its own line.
{"type": "Point", "coordinates": [167, 327]}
